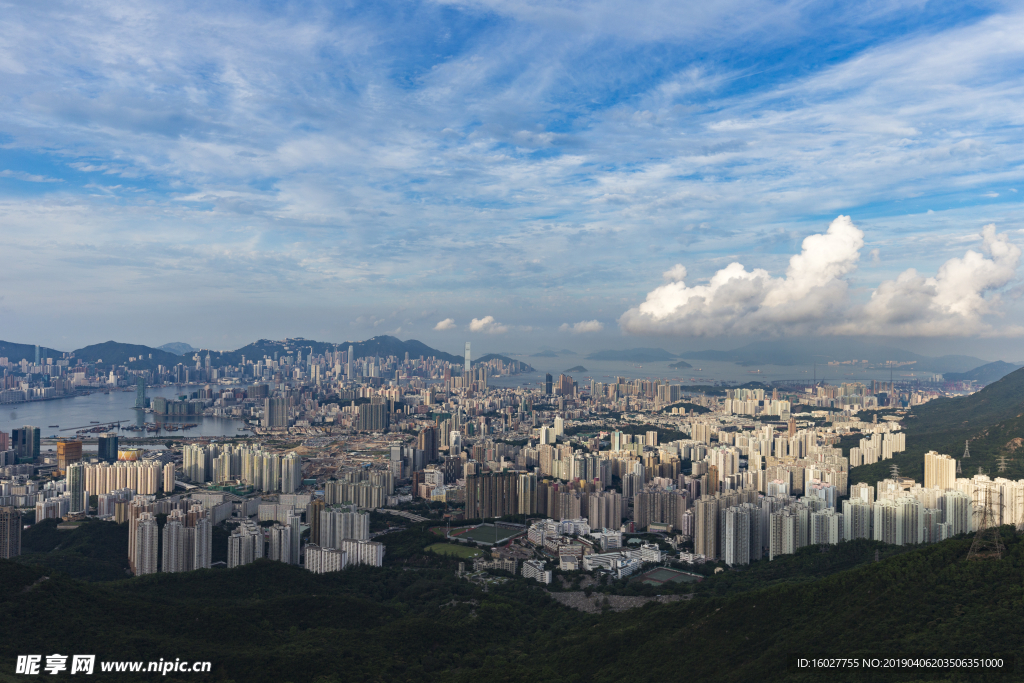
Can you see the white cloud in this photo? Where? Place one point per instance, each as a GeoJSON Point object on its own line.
{"type": "Point", "coordinates": [28, 177]}
{"type": "Point", "coordinates": [488, 325]}
{"type": "Point", "coordinates": [676, 273]}
{"type": "Point", "coordinates": [813, 297]}
{"type": "Point", "coordinates": [952, 303]}
{"type": "Point", "coordinates": [585, 326]}
{"type": "Point", "coordinates": [446, 324]}
{"type": "Point", "coordinates": [738, 301]}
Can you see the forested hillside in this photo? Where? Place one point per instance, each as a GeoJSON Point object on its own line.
{"type": "Point", "coordinates": [991, 419]}
{"type": "Point", "coordinates": [407, 622]}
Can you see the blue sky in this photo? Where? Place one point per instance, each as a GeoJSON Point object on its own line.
{"type": "Point", "coordinates": [214, 174]}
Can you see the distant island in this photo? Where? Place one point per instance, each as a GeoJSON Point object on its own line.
{"type": "Point", "coordinates": [680, 365]}
{"type": "Point", "coordinates": [578, 368]}
{"type": "Point", "coordinates": [544, 354]}
{"type": "Point", "coordinates": [641, 355]}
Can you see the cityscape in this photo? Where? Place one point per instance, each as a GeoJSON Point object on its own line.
{"type": "Point", "coordinates": [548, 342]}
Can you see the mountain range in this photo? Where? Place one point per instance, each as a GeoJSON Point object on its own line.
{"type": "Point", "coordinates": [147, 357]}
{"type": "Point", "coordinates": [807, 352]}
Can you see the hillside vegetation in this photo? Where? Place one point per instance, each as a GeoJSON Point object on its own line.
{"type": "Point", "coordinates": [991, 419]}
{"type": "Point", "coordinates": [405, 622]}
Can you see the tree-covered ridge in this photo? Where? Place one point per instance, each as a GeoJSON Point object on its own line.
{"type": "Point", "coordinates": [992, 419]}
{"type": "Point", "coordinates": [409, 622]}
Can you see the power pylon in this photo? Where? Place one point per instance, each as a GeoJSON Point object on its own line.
{"type": "Point", "coordinates": [1002, 463]}
{"type": "Point", "coordinates": [987, 544]}
{"type": "Point", "coordinates": [967, 449]}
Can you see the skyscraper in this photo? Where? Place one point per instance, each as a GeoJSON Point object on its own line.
{"type": "Point", "coordinates": [349, 360]}
{"type": "Point", "coordinates": [106, 448]}
{"type": "Point", "coordinates": [468, 367]}
{"type": "Point", "coordinates": [79, 502]}
{"type": "Point", "coordinates": [275, 413]}
{"type": "Point", "coordinates": [68, 452]}
{"type": "Point", "coordinates": [25, 443]}
{"type": "Point", "coordinates": [313, 510]}
{"type": "Point", "coordinates": [547, 384]}
{"type": "Point", "coordinates": [427, 442]}
{"type": "Point", "coordinates": [10, 532]}
{"type": "Point", "coordinates": [174, 546]}
{"type": "Point", "coordinates": [140, 392]}
{"type": "Point", "coordinates": [291, 473]}
{"type": "Point", "coordinates": [939, 471]}
{"type": "Point", "coordinates": [146, 544]}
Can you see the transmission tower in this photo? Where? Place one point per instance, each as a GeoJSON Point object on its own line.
{"type": "Point", "coordinates": [1002, 463]}
{"type": "Point", "coordinates": [959, 470]}
{"type": "Point", "coordinates": [967, 449]}
{"type": "Point", "coordinates": [987, 543]}
{"type": "Point", "coordinates": [894, 471]}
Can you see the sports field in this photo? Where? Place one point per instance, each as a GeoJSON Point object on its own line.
{"type": "Point", "coordinates": [661, 575]}
{"type": "Point", "coordinates": [486, 533]}
{"type": "Point", "coordinates": [463, 551]}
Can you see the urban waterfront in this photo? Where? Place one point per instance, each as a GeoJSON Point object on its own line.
{"type": "Point", "coordinates": [81, 411]}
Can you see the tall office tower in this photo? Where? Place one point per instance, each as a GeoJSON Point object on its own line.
{"type": "Point", "coordinates": [146, 544]}
{"type": "Point", "coordinates": [469, 365]}
{"type": "Point", "coordinates": [349, 361]}
{"type": "Point", "coordinates": [140, 392]}
{"type": "Point", "coordinates": [79, 497]}
{"type": "Point", "coordinates": [939, 471]}
{"type": "Point", "coordinates": [275, 413]}
{"type": "Point", "coordinates": [37, 354]}
{"type": "Point", "coordinates": [106, 448]}
{"type": "Point", "coordinates": [10, 532]}
{"type": "Point", "coordinates": [25, 442]}
{"type": "Point", "coordinates": [291, 473]}
{"type": "Point", "coordinates": [174, 545]}
{"type": "Point", "coordinates": [427, 442]}
{"type": "Point", "coordinates": [705, 532]}
{"type": "Point", "coordinates": [68, 451]}
{"type": "Point", "coordinates": [547, 384]}
{"type": "Point", "coordinates": [169, 478]}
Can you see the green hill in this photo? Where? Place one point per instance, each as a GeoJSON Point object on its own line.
{"type": "Point", "coordinates": [408, 622]}
{"type": "Point", "coordinates": [118, 353]}
{"type": "Point", "coordinates": [18, 352]}
{"type": "Point", "coordinates": [985, 374]}
{"type": "Point", "coordinates": [991, 419]}
{"type": "Point", "coordinates": [383, 346]}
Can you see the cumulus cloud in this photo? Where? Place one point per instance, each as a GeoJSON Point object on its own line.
{"type": "Point", "coordinates": [953, 303]}
{"type": "Point", "coordinates": [446, 324]}
{"type": "Point", "coordinates": [488, 325]}
{"type": "Point", "coordinates": [738, 301]}
{"type": "Point", "coordinates": [813, 296]}
{"type": "Point", "coordinates": [676, 273]}
{"type": "Point", "coordinates": [584, 326]}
